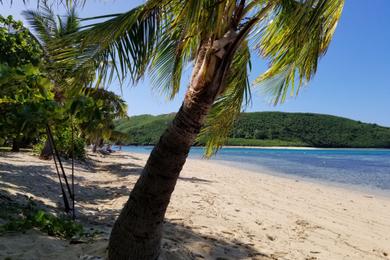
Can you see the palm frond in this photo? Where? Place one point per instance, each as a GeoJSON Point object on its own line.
{"type": "Point", "coordinates": [50, 28]}
{"type": "Point", "coordinates": [174, 51]}
{"type": "Point", "coordinates": [123, 44]}
{"type": "Point", "coordinates": [294, 41]}
{"type": "Point", "coordinates": [227, 107]}
{"type": "Point", "coordinates": [43, 22]}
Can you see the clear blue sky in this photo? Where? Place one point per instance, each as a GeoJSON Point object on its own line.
{"type": "Point", "coordinates": [353, 79]}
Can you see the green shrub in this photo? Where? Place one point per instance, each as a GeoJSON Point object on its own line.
{"type": "Point", "coordinates": [63, 142]}
{"type": "Point", "coordinates": [30, 217]}
{"type": "Point", "coordinates": [38, 147]}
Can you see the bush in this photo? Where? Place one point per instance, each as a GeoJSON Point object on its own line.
{"type": "Point", "coordinates": [63, 141]}
{"type": "Point", "coordinates": [30, 217]}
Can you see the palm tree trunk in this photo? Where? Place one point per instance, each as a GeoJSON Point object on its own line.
{"type": "Point", "coordinates": [15, 144]}
{"type": "Point", "coordinates": [46, 151]}
{"type": "Point", "coordinates": [138, 230]}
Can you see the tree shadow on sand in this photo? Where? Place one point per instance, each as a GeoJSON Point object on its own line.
{"type": "Point", "coordinates": [41, 181]}
{"type": "Point", "coordinates": [183, 242]}
{"type": "Point", "coordinates": [180, 241]}
{"type": "Point", "coordinates": [123, 169]}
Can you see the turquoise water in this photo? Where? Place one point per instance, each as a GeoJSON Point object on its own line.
{"type": "Point", "coordinates": [368, 168]}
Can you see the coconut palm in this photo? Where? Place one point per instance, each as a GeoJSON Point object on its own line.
{"type": "Point", "coordinates": [100, 107]}
{"type": "Point", "coordinates": [95, 111]}
{"type": "Point", "coordinates": [216, 37]}
{"type": "Point", "coordinates": [49, 27]}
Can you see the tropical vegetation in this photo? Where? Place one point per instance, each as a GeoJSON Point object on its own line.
{"type": "Point", "coordinates": [25, 216]}
{"type": "Point", "coordinates": [35, 94]}
{"type": "Point", "coordinates": [160, 38]}
{"type": "Point", "coordinates": [25, 92]}
{"type": "Point", "coordinates": [216, 39]}
{"type": "Point", "coordinates": [271, 129]}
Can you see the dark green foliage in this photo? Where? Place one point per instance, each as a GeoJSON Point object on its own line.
{"type": "Point", "coordinates": [263, 142]}
{"type": "Point", "coordinates": [273, 129]}
{"type": "Point", "coordinates": [34, 93]}
{"type": "Point", "coordinates": [26, 99]}
{"type": "Point", "coordinates": [17, 46]}
{"type": "Point", "coordinates": [144, 129]}
{"type": "Point", "coordinates": [95, 112]}
{"type": "Point", "coordinates": [29, 216]}
{"type": "Point", "coordinates": [312, 129]}
{"type": "Point", "coordinates": [63, 141]}
{"type": "Point", "coordinates": [50, 224]}
{"type": "Point", "coordinates": [26, 102]}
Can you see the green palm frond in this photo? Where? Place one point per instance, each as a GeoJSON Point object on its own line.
{"type": "Point", "coordinates": [111, 100]}
{"type": "Point", "coordinates": [174, 51]}
{"type": "Point", "coordinates": [163, 36]}
{"type": "Point", "coordinates": [50, 29]}
{"type": "Point", "coordinates": [123, 45]}
{"type": "Point", "coordinates": [227, 107]}
{"type": "Point", "coordinates": [294, 41]}
{"type": "Point", "coordinates": [43, 22]}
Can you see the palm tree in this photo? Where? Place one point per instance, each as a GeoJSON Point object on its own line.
{"type": "Point", "coordinates": [215, 36]}
{"type": "Point", "coordinates": [49, 27]}
{"type": "Point", "coordinates": [96, 110]}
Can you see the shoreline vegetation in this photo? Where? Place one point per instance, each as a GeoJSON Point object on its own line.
{"type": "Point", "coordinates": [271, 129]}
{"type": "Point", "coordinates": [55, 100]}
{"type": "Point", "coordinates": [276, 147]}
{"type": "Point", "coordinates": [285, 218]}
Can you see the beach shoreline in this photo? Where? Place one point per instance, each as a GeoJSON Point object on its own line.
{"type": "Point", "coordinates": [216, 211]}
{"type": "Point", "coordinates": [252, 169]}
{"type": "Point", "coordinates": [282, 147]}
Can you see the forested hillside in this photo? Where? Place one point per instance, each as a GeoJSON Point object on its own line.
{"type": "Point", "coordinates": [273, 129]}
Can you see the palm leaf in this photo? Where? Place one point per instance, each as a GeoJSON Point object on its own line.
{"type": "Point", "coordinates": [123, 44]}
{"type": "Point", "coordinates": [227, 107]}
{"type": "Point", "coordinates": [294, 41]}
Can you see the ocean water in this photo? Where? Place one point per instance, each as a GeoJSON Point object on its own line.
{"type": "Point", "coordinates": [366, 168]}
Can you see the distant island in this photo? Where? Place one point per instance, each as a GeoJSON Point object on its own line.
{"type": "Point", "coordinates": [272, 129]}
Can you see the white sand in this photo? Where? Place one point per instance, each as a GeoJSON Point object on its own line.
{"type": "Point", "coordinates": [216, 211]}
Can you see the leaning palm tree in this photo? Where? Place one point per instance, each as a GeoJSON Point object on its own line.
{"type": "Point", "coordinates": [215, 37]}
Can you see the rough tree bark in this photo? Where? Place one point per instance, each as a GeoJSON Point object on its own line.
{"type": "Point", "coordinates": [15, 145]}
{"type": "Point", "coordinates": [46, 151]}
{"type": "Point", "coordinates": [94, 148]}
{"type": "Point", "coordinates": [138, 230]}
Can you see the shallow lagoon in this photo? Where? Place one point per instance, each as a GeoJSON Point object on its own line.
{"type": "Point", "coordinates": [368, 168]}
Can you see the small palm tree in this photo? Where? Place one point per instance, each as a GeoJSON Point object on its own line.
{"type": "Point", "coordinates": [96, 110]}
{"type": "Point", "coordinates": [49, 27]}
{"type": "Point", "coordinates": [216, 37]}
{"type": "Point", "coordinates": [103, 106]}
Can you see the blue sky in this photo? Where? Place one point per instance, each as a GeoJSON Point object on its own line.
{"type": "Point", "coordinates": [353, 79]}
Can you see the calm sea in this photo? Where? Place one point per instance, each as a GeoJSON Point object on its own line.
{"type": "Point", "coordinates": [366, 168]}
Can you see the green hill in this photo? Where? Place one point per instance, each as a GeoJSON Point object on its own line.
{"type": "Point", "coordinates": [273, 129]}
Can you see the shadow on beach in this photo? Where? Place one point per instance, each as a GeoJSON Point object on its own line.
{"type": "Point", "coordinates": [39, 179]}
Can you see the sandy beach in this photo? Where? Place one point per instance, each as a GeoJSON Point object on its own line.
{"type": "Point", "coordinates": [216, 212]}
